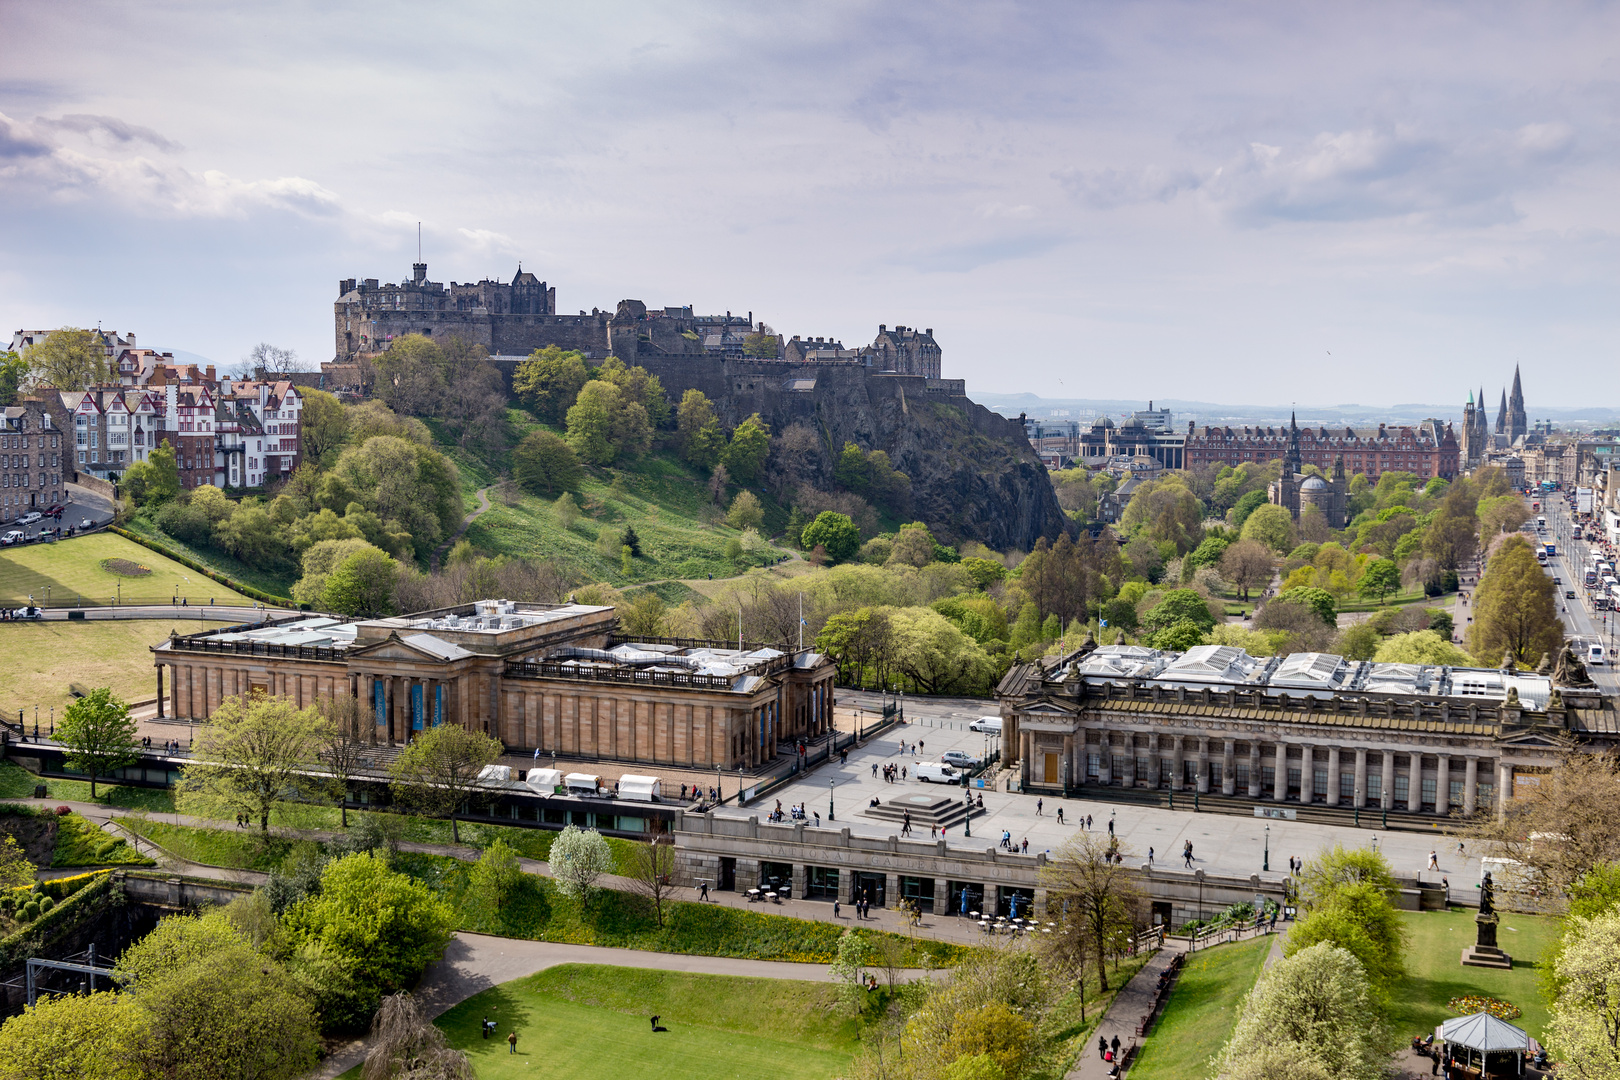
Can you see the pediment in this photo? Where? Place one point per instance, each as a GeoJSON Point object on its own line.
{"type": "Point", "coordinates": [1048, 708]}
{"type": "Point", "coordinates": [392, 648]}
{"type": "Point", "coordinates": [1532, 740]}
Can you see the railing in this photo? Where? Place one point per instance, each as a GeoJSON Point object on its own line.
{"type": "Point", "coordinates": [529, 669]}
{"type": "Point", "coordinates": [258, 648]}
{"type": "Point", "coordinates": [115, 599]}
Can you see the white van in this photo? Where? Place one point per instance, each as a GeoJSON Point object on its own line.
{"type": "Point", "coordinates": [992, 724]}
{"type": "Point", "coordinates": [1594, 655]}
{"type": "Point", "coordinates": [933, 772]}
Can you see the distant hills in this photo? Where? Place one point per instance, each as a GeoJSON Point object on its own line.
{"type": "Point", "coordinates": [1205, 412]}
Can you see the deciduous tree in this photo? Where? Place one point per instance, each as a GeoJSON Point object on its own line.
{"type": "Point", "coordinates": [1272, 526]}
{"type": "Point", "coordinates": [1514, 608]}
{"type": "Point", "coordinates": [1096, 894]}
{"type": "Point", "coordinates": [745, 454]}
{"type": "Point", "coordinates": [1248, 564]}
{"type": "Point", "coordinates": [834, 532]}
{"type": "Point", "coordinates": [1584, 1034]}
{"type": "Point", "coordinates": [544, 464]}
{"type": "Point", "coordinates": [69, 359]}
{"type": "Point", "coordinates": [698, 430]}
{"type": "Point", "coordinates": [362, 584]}
{"type": "Point", "coordinates": [652, 873]}
{"type": "Point", "coordinates": [99, 734]}
{"type": "Point", "coordinates": [438, 771]}
{"type": "Point", "coordinates": [254, 753]}
{"type": "Point", "coordinates": [549, 381]}
{"type": "Point", "coordinates": [74, 1038]}
{"type": "Point", "coordinates": [407, 1043]}
{"type": "Point", "coordinates": [579, 858]}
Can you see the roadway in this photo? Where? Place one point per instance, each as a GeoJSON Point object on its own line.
{"type": "Point", "coordinates": [1581, 620]}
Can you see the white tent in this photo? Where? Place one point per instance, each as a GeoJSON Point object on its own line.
{"type": "Point", "coordinates": [500, 773]}
{"type": "Point", "coordinates": [638, 788]}
{"type": "Point", "coordinates": [544, 781]}
{"type": "Point", "coordinates": [582, 783]}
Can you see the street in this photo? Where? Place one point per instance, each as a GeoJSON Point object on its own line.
{"type": "Point", "coordinates": [1580, 620]}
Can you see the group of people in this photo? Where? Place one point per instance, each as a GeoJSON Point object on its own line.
{"type": "Point", "coordinates": [697, 791]}
{"type": "Point", "coordinates": [1021, 847]}
{"type": "Point", "coordinates": [170, 746]}
{"type": "Point", "coordinates": [488, 1028]}
{"type": "Point", "coordinates": [891, 773]}
{"type": "Point", "coordinates": [794, 813]}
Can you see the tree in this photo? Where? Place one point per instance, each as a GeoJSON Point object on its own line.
{"type": "Point", "coordinates": [1315, 1009]}
{"type": "Point", "coordinates": [1515, 611]}
{"type": "Point", "coordinates": [320, 559]}
{"type": "Point", "coordinates": [411, 375]}
{"type": "Point", "coordinates": [545, 464]}
{"type": "Point", "coordinates": [1248, 564]}
{"type": "Point", "coordinates": [1096, 894]}
{"type": "Point", "coordinates": [377, 928]}
{"type": "Point", "coordinates": [323, 426]}
{"type": "Point", "coordinates": [1361, 920]}
{"type": "Point", "coordinates": [632, 540]}
{"type": "Point", "coordinates": [913, 546]}
{"type": "Point", "coordinates": [848, 969]}
{"type": "Point", "coordinates": [566, 509]}
{"type": "Point", "coordinates": [604, 425]}
{"type": "Point", "coordinates": [549, 381]}
{"type": "Point", "coordinates": [750, 445]}
{"type": "Point", "coordinates": [638, 385]}
{"type": "Point", "coordinates": [409, 486]}
{"type": "Point", "coordinates": [405, 1042]}
{"type": "Point", "coordinates": [1209, 551]}
{"type": "Point", "coordinates": [74, 1038]}
{"type": "Point", "coordinates": [99, 735]}
{"type": "Point", "coordinates": [1381, 578]}
{"type": "Point", "coordinates": [644, 616]}
{"type": "Point", "coordinates": [1451, 535]}
{"type": "Point", "coordinates": [254, 753]}
{"type": "Point", "coordinates": [652, 872]}
{"type": "Point", "coordinates": [271, 360]}
{"type": "Point", "coordinates": [15, 868]}
{"type": "Point", "coordinates": [1562, 825]}
{"type": "Point", "coordinates": [852, 470]}
{"type": "Point", "coordinates": [579, 858]}
{"type": "Point", "coordinates": [343, 751]}
{"type": "Point", "coordinates": [762, 346]}
{"type": "Point", "coordinates": [69, 359]}
{"type": "Point", "coordinates": [496, 874]}
{"type": "Point", "coordinates": [1318, 600]}
{"type": "Point", "coordinates": [1179, 636]}
{"type": "Point", "coordinates": [438, 772]}
{"type": "Point", "coordinates": [1246, 504]}
{"type": "Point", "coordinates": [834, 532]}
{"type": "Point", "coordinates": [698, 430]}
{"type": "Point", "coordinates": [163, 480]}
{"type": "Point", "coordinates": [1272, 526]}
{"type": "Point", "coordinates": [1584, 1034]}
{"type": "Point", "coordinates": [362, 584]}
{"type": "Point", "coordinates": [745, 512]}
{"type": "Point", "coordinates": [1180, 605]}
{"type": "Point", "coordinates": [13, 376]}
{"type": "Point", "coordinates": [1421, 647]}
{"type": "Point", "coordinates": [937, 656]}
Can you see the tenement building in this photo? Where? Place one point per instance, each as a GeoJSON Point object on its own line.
{"type": "Point", "coordinates": [557, 678]}
{"type": "Point", "coordinates": [1311, 728]}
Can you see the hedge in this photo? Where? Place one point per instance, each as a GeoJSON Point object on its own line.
{"type": "Point", "coordinates": [193, 564]}
{"type": "Point", "coordinates": [33, 939]}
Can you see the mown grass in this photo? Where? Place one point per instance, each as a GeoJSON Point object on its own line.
{"type": "Point", "coordinates": [80, 843]}
{"type": "Point", "coordinates": [1202, 1010]}
{"type": "Point", "coordinates": [43, 659]}
{"type": "Point", "coordinates": [71, 568]}
{"type": "Point", "coordinates": [537, 910]}
{"type": "Point", "coordinates": [244, 849]}
{"type": "Point", "coordinates": [590, 1022]}
{"type": "Point", "coordinates": [1435, 975]}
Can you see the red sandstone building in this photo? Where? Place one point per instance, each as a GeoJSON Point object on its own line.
{"type": "Point", "coordinates": [1428, 450]}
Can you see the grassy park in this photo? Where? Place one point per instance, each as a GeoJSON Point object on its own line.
{"type": "Point", "coordinates": [45, 659]}
{"type": "Point", "coordinates": [1434, 974]}
{"type": "Point", "coordinates": [75, 567]}
{"type": "Point", "coordinates": [1202, 1011]}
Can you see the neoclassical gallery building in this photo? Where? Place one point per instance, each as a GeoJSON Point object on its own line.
{"type": "Point", "coordinates": [535, 676]}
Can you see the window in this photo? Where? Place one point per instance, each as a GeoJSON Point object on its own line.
{"type": "Point", "coordinates": [1293, 782]}
{"type": "Point", "coordinates": [1485, 795]}
{"type": "Point", "coordinates": [1240, 777]}
{"type": "Point", "coordinates": [1214, 775]}
{"type": "Point", "coordinates": [1427, 789]}
{"type": "Point", "coordinates": [95, 457]}
{"type": "Point", "coordinates": [1117, 769]}
{"type": "Point", "coordinates": [1347, 786]}
{"type": "Point", "coordinates": [1142, 772]}
{"type": "Point", "coordinates": [1189, 772]}
{"type": "Point", "coordinates": [1093, 761]}
{"type": "Point", "coordinates": [1402, 789]}
{"type": "Point", "coordinates": [81, 457]}
{"type": "Point", "coordinates": [1167, 771]}
{"type": "Point", "coordinates": [1268, 779]}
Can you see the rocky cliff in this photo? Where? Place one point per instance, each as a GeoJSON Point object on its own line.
{"type": "Point", "coordinates": [973, 474]}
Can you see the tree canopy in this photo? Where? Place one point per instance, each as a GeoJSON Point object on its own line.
{"type": "Point", "coordinates": [1515, 610]}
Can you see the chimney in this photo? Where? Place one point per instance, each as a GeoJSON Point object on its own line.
{"type": "Point", "coordinates": [929, 331]}
{"type": "Point", "coordinates": [264, 396]}
{"type": "Point", "coordinates": [882, 328]}
{"type": "Point", "coordinates": [210, 371]}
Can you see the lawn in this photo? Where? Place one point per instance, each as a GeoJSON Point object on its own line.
{"type": "Point", "coordinates": [236, 849]}
{"type": "Point", "coordinates": [73, 567]}
{"type": "Point", "coordinates": [18, 783]}
{"type": "Point", "coordinates": [277, 581]}
{"type": "Point", "coordinates": [1435, 974]}
{"type": "Point", "coordinates": [1202, 1011]}
{"type": "Point", "coordinates": [80, 843]}
{"type": "Point", "coordinates": [43, 659]}
{"type": "Point", "coordinates": [589, 1022]}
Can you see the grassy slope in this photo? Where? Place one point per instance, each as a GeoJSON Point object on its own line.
{"type": "Point", "coordinates": [43, 658]}
{"type": "Point", "coordinates": [18, 783]}
{"type": "Point", "coordinates": [1435, 974]}
{"type": "Point", "coordinates": [72, 567]}
{"type": "Point", "coordinates": [585, 1022]}
{"type": "Point", "coordinates": [78, 843]}
{"type": "Point", "coordinates": [666, 499]}
{"type": "Point", "coordinates": [277, 582]}
{"type": "Point", "coordinates": [1201, 1012]}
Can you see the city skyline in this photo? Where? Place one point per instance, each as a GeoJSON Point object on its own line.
{"type": "Point", "coordinates": [1383, 204]}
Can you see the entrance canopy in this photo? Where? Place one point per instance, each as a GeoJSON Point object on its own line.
{"type": "Point", "coordinates": [1485, 1033]}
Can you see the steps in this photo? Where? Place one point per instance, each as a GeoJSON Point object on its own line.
{"type": "Point", "coordinates": [925, 809]}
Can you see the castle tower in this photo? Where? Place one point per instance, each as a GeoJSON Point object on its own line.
{"type": "Point", "coordinates": [1517, 424]}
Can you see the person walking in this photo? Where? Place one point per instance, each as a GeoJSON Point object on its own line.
{"type": "Point", "coordinates": [511, 1042]}
{"type": "Point", "coordinates": [1150, 856]}
{"type": "Point", "coordinates": [1038, 808]}
{"type": "Point", "coordinates": [836, 910]}
{"type": "Point", "coordinates": [1434, 861]}
{"type": "Point", "coordinates": [1110, 823]}
{"type": "Point", "coordinates": [1060, 815]}
{"type": "Point", "coordinates": [484, 1027]}
{"type": "Point", "coordinates": [703, 890]}
{"type": "Point", "coordinates": [1102, 1046]}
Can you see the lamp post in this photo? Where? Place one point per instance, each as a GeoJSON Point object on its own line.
{"type": "Point", "coordinates": [830, 783]}
{"type": "Point", "coordinates": [1266, 865]}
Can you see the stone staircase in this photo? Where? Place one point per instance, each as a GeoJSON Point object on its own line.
{"type": "Point", "coordinates": [925, 809]}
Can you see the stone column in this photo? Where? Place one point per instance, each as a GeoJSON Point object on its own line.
{"type": "Point", "coordinates": [1414, 785]}
{"type": "Point", "coordinates": [1280, 767]}
{"type": "Point", "coordinates": [1155, 761]}
{"type": "Point", "coordinates": [1388, 799]}
{"type": "Point", "coordinates": [891, 891]}
{"type": "Point", "coordinates": [1105, 757]}
{"type": "Point", "coordinates": [1228, 754]}
{"type": "Point", "coordinates": [1130, 777]}
{"type": "Point", "coordinates": [1333, 776]}
{"type": "Point", "coordinates": [1203, 766]}
{"type": "Point", "coordinates": [160, 691]}
{"type": "Point", "coordinates": [1504, 787]}
{"type": "Point", "coordinates": [1361, 778]}
{"type": "Point", "coordinates": [942, 896]}
{"type": "Point", "coordinates": [1254, 769]}
{"type": "Point", "coordinates": [800, 880]}
{"type": "Point", "coordinates": [846, 885]}
{"type": "Point", "coordinates": [1442, 786]}
{"type": "Point", "coordinates": [1471, 787]}
{"type": "Point", "coordinates": [1177, 769]}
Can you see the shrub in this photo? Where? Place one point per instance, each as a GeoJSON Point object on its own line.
{"type": "Point", "coordinates": [45, 904]}
{"type": "Point", "coordinates": [64, 810]}
{"type": "Point", "coordinates": [29, 912]}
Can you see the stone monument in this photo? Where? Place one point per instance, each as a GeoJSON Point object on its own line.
{"type": "Point", "coordinates": [1484, 953]}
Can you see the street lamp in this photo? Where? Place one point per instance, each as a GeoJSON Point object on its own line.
{"type": "Point", "coordinates": [830, 783]}
{"type": "Point", "coordinates": [1266, 866]}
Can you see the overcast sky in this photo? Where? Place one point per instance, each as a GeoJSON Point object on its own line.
{"type": "Point", "coordinates": [1232, 202]}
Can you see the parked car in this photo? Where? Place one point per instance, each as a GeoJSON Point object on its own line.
{"type": "Point", "coordinates": [30, 517]}
{"type": "Point", "coordinates": [959, 758]}
{"type": "Point", "coordinates": [933, 772]}
{"type": "Point", "coordinates": [992, 724]}
{"type": "Point", "coordinates": [33, 613]}
{"type": "Point", "coordinates": [84, 524]}
{"type": "Point", "coordinates": [15, 536]}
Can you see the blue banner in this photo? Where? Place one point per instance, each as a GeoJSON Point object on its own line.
{"type": "Point", "coordinates": [379, 699]}
{"type": "Point", "coordinates": [438, 704]}
{"type": "Point", "coordinates": [416, 706]}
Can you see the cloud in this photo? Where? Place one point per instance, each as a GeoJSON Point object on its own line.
{"type": "Point", "coordinates": [18, 140]}
{"type": "Point", "coordinates": [1108, 188]}
{"type": "Point", "coordinates": [488, 242]}
{"type": "Point", "coordinates": [970, 255]}
{"type": "Point", "coordinates": [111, 127]}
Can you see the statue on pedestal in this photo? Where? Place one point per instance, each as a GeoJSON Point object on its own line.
{"type": "Point", "coordinates": [1484, 952]}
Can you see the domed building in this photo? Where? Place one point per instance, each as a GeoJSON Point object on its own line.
{"type": "Point", "coordinates": [1297, 490]}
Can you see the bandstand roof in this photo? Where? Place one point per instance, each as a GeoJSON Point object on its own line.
{"type": "Point", "coordinates": [1485, 1033]}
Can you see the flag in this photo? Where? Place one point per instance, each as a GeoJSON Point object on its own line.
{"type": "Point", "coordinates": [537, 753]}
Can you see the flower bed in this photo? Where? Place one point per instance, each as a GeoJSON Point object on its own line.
{"type": "Point", "coordinates": [125, 568]}
{"type": "Point", "coordinates": [1473, 1003]}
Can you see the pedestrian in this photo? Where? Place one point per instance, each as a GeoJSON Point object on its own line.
{"type": "Point", "coordinates": [485, 1027]}
{"type": "Point", "coordinates": [1037, 808]}
{"type": "Point", "coordinates": [1102, 1046]}
{"type": "Point", "coordinates": [703, 890]}
{"type": "Point", "coordinates": [920, 745]}
{"type": "Point", "coordinates": [1445, 883]}
{"type": "Point", "coordinates": [835, 908]}
{"type": "Point", "coordinates": [1114, 1045]}
{"type": "Point", "coordinates": [902, 772]}
{"type": "Point", "coordinates": [1150, 855]}
{"type": "Point", "coordinates": [511, 1042]}
{"type": "Point", "coordinates": [1460, 853]}
{"type": "Point", "coordinates": [1434, 861]}
{"type": "Point", "coordinates": [874, 768]}
{"type": "Point", "coordinates": [1026, 845]}
{"type": "Point", "coordinates": [1088, 821]}
{"type": "Point", "coordinates": [818, 818]}
{"type": "Point", "coordinates": [1110, 823]}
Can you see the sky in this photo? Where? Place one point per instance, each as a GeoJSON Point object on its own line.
{"type": "Point", "coordinates": [1237, 202]}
